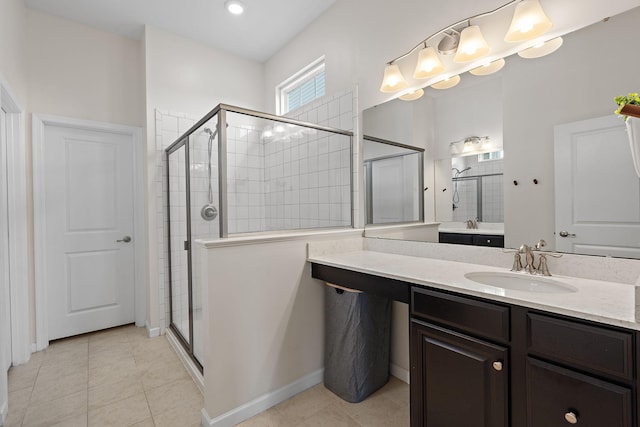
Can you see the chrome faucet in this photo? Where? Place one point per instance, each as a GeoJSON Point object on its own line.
{"type": "Point", "coordinates": [528, 252]}
{"type": "Point", "coordinates": [472, 224]}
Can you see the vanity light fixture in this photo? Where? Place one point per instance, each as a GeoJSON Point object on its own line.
{"type": "Point", "coordinates": [393, 80]}
{"type": "Point", "coordinates": [447, 83]}
{"type": "Point", "coordinates": [468, 44]}
{"type": "Point", "coordinates": [488, 68]}
{"type": "Point", "coordinates": [429, 64]}
{"type": "Point", "coordinates": [472, 45]}
{"type": "Point", "coordinates": [471, 144]}
{"type": "Point", "coordinates": [541, 49]}
{"type": "Point", "coordinates": [412, 95]}
{"type": "Point", "coordinates": [529, 21]}
{"type": "Point", "coordinates": [234, 7]}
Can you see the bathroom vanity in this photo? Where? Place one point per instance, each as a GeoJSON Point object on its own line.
{"type": "Point", "coordinates": [492, 357]}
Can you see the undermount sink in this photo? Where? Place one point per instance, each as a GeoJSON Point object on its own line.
{"type": "Point", "coordinates": [520, 282]}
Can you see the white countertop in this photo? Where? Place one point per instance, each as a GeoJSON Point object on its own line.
{"type": "Point", "coordinates": [606, 302]}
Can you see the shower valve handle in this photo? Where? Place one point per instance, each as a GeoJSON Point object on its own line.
{"type": "Point", "coordinates": [125, 239]}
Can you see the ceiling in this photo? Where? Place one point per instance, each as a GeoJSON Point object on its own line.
{"type": "Point", "coordinates": [264, 28]}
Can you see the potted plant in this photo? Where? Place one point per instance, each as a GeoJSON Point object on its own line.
{"type": "Point", "coordinates": [629, 109]}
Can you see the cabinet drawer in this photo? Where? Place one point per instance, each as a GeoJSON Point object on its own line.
{"type": "Point", "coordinates": [593, 348]}
{"type": "Point", "coordinates": [553, 393]}
{"type": "Point", "coordinates": [457, 238]}
{"type": "Point", "coordinates": [476, 317]}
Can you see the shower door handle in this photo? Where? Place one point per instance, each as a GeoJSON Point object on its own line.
{"type": "Point", "coordinates": [125, 239]}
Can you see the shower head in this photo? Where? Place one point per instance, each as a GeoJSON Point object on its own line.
{"type": "Point", "coordinates": [459, 172]}
{"type": "Point", "coordinates": [212, 133]}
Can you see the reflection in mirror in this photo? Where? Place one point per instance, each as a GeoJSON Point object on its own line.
{"type": "Point", "coordinates": [523, 107]}
{"type": "Point", "coordinates": [393, 181]}
{"type": "Point", "coordinates": [477, 187]}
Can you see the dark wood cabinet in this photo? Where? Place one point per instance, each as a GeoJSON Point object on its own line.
{"type": "Point", "coordinates": [457, 380]}
{"type": "Point", "coordinates": [555, 371]}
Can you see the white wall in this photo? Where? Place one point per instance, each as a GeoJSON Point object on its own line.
{"type": "Point", "coordinates": [186, 77]}
{"type": "Point", "coordinates": [263, 322]}
{"type": "Point", "coordinates": [392, 121]}
{"type": "Point", "coordinates": [13, 39]}
{"type": "Point", "coordinates": [77, 71]}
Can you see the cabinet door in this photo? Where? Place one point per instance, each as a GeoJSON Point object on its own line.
{"type": "Point", "coordinates": [558, 397]}
{"type": "Point", "coordinates": [456, 380]}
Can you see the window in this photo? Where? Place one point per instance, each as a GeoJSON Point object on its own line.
{"type": "Point", "coordinates": [303, 87]}
{"type": "Point", "coordinates": [494, 155]}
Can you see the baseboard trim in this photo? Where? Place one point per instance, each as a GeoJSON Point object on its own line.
{"type": "Point", "coordinates": [262, 403]}
{"type": "Point", "coordinates": [189, 365]}
{"type": "Point", "coordinates": [399, 373]}
{"type": "Point", "coordinates": [4, 411]}
{"type": "Point", "coordinates": [151, 332]}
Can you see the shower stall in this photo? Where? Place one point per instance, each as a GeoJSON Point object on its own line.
{"type": "Point", "coordinates": [239, 171]}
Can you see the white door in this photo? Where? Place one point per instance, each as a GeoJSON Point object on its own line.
{"type": "Point", "coordinates": [597, 191]}
{"type": "Point", "coordinates": [88, 215]}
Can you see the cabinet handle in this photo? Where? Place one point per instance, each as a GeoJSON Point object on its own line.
{"type": "Point", "coordinates": [497, 366]}
{"type": "Point", "coordinates": [571, 417]}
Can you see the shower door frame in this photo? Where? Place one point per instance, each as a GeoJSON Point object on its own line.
{"type": "Point", "coordinates": [186, 344]}
{"type": "Point", "coordinates": [184, 140]}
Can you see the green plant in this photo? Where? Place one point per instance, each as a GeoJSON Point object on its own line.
{"type": "Point", "coordinates": [631, 98]}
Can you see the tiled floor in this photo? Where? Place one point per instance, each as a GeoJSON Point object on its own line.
{"type": "Point", "coordinates": [117, 377]}
{"type": "Point", "coordinates": [318, 407]}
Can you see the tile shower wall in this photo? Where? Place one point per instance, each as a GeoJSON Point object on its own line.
{"type": "Point", "coordinates": [245, 179]}
{"type": "Point", "coordinates": [308, 179]}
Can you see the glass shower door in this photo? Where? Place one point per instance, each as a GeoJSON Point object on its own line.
{"type": "Point", "coordinates": [179, 262]}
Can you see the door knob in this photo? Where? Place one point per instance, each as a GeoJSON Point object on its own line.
{"type": "Point", "coordinates": [125, 239]}
{"type": "Point", "coordinates": [566, 234]}
{"type": "Point", "coordinates": [571, 417]}
{"type": "Point", "coordinates": [497, 366]}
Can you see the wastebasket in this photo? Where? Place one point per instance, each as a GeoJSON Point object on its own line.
{"type": "Point", "coordinates": [357, 342]}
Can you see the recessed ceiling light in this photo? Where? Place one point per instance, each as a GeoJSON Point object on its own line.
{"type": "Point", "coordinates": [234, 7]}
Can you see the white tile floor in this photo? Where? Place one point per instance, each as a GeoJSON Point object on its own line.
{"type": "Point", "coordinates": [119, 377]}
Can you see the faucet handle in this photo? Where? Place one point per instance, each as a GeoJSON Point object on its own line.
{"type": "Point", "coordinates": [541, 243]}
{"type": "Point", "coordinates": [543, 269]}
{"type": "Point", "coordinates": [517, 262]}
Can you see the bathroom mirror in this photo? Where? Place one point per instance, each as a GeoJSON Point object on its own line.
{"type": "Point", "coordinates": [519, 108]}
